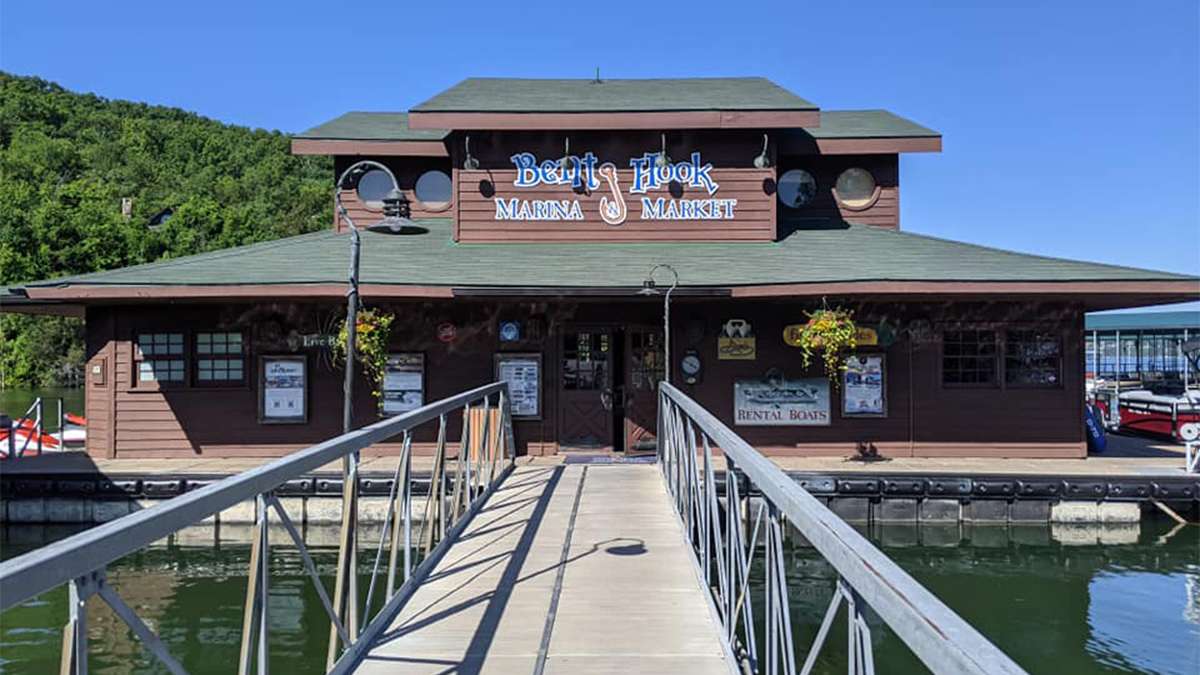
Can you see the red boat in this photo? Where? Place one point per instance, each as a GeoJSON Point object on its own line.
{"type": "Point", "coordinates": [1175, 416]}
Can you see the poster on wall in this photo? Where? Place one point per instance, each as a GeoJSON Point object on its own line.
{"type": "Point", "coordinates": [778, 402]}
{"type": "Point", "coordinates": [403, 384]}
{"type": "Point", "coordinates": [283, 389]}
{"type": "Point", "coordinates": [523, 373]}
{"type": "Point", "coordinates": [863, 386]}
{"type": "Point", "coordinates": [736, 341]}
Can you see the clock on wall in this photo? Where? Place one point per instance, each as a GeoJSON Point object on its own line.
{"type": "Point", "coordinates": [691, 366]}
{"type": "Point", "coordinates": [510, 331]}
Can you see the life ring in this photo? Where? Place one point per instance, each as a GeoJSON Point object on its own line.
{"type": "Point", "coordinates": [1189, 431]}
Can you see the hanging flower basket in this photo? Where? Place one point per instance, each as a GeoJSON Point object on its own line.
{"type": "Point", "coordinates": [832, 333]}
{"type": "Point", "coordinates": [373, 334]}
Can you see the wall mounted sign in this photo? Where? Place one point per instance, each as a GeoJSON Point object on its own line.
{"type": "Point", "coordinates": [770, 402]}
{"type": "Point", "coordinates": [736, 342]}
{"type": "Point", "coordinates": [447, 332]}
{"type": "Point", "coordinates": [403, 384]}
{"type": "Point", "coordinates": [863, 390]}
{"type": "Point", "coordinates": [299, 341]}
{"type": "Point", "coordinates": [691, 366]}
{"type": "Point", "coordinates": [863, 336]}
{"type": "Point", "coordinates": [586, 174]}
{"type": "Point", "coordinates": [283, 389]}
{"type": "Point", "coordinates": [523, 373]}
{"type": "Point", "coordinates": [510, 331]}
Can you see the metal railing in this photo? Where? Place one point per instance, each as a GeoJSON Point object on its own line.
{"type": "Point", "coordinates": [34, 431]}
{"type": "Point", "coordinates": [727, 537]}
{"type": "Point", "coordinates": [458, 487]}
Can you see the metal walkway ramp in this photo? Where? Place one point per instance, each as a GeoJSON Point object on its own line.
{"type": "Point", "coordinates": [565, 569]}
{"type": "Point", "coordinates": [537, 568]}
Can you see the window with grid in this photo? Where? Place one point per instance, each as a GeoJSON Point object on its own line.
{"type": "Point", "coordinates": [1032, 359]}
{"type": "Point", "coordinates": [969, 357]}
{"type": "Point", "coordinates": [585, 360]}
{"type": "Point", "coordinates": [220, 358]}
{"type": "Point", "coordinates": [160, 358]}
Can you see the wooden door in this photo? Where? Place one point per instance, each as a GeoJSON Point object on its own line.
{"type": "Point", "coordinates": [643, 372]}
{"type": "Point", "coordinates": [585, 389]}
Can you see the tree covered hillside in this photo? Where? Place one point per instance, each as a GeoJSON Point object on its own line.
{"type": "Point", "coordinates": [66, 162]}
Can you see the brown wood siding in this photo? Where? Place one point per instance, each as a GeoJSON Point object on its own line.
{"type": "Point", "coordinates": [925, 417]}
{"type": "Point", "coordinates": [99, 400]}
{"type": "Point", "coordinates": [407, 170]}
{"type": "Point", "coordinates": [754, 214]}
{"type": "Point", "coordinates": [885, 212]}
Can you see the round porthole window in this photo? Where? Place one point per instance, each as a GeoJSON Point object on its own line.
{"type": "Point", "coordinates": [373, 187]}
{"type": "Point", "coordinates": [796, 188]}
{"type": "Point", "coordinates": [433, 190]}
{"type": "Point", "coordinates": [856, 188]}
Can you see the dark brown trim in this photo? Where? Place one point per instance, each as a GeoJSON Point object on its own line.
{"type": "Point", "coordinates": [563, 291]}
{"type": "Point", "coordinates": [322, 146]}
{"type": "Point", "coordinates": [1186, 290]}
{"type": "Point", "coordinates": [878, 146]}
{"type": "Point", "coordinates": [692, 119]}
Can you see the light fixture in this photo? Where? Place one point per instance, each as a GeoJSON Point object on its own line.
{"type": "Point", "coordinates": [649, 288]}
{"type": "Point", "coordinates": [663, 159]}
{"type": "Point", "coordinates": [396, 213]}
{"type": "Point", "coordinates": [565, 162]}
{"type": "Point", "coordinates": [763, 160]}
{"type": "Point", "coordinates": [470, 163]}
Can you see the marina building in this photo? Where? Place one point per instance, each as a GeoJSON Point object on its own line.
{"type": "Point", "coordinates": [535, 230]}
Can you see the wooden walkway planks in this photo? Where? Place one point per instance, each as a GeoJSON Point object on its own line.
{"type": "Point", "coordinates": [567, 569]}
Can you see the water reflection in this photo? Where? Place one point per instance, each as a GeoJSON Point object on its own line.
{"type": "Point", "coordinates": [1084, 599]}
{"type": "Point", "coordinates": [1059, 600]}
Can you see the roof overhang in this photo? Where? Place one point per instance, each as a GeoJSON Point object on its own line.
{"type": "Point", "coordinates": [581, 121]}
{"type": "Point", "coordinates": [1092, 295]}
{"type": "Point", "coordinates": [337, 146]}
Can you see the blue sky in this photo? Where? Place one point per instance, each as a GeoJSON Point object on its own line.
{"type": "Point", "coordinates": [1070, 128]}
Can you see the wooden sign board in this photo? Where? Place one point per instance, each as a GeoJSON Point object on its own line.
{"type": "Point", "coordinates": [493, 208]}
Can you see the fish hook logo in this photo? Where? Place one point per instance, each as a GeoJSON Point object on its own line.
{"type": "Point", "coordinates": [612, 212]}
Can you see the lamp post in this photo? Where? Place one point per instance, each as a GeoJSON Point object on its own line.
{"type": "Point", "coordinates": [396, 221]}
{"type": "Point", "coordinates": [650, 288]}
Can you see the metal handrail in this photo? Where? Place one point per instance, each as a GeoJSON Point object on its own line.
{"type": "Point", "coordinates": [867, 578]}
{"type": "Point", "coordinates": [80, 560]}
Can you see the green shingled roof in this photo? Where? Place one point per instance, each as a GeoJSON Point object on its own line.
{"type": "Point", "coordinates": [372, 126]}
{"type": "Point", "coordinates": [393, 126]}
{"type": "Point", "coordinates": [852, 253]}
{"type": "Point", "coordinates": [577, 96]}
{"type": "Point", "coordinates": [868, 124]}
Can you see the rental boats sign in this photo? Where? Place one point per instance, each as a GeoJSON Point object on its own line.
{"type": "Point", "coordinates": [639, 188]}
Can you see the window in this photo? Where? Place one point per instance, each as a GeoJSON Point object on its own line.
{"type": "Point", "coordinates": [1032, 359]}
{"type": "Point", "coordinates": [969, 357]}
{"type": "Point", "coordinates": [433, 190]}
{"type": "Point", "coordinates": [796, 188]}
{"type": "Point", "coordinates": [585, 360]}
{"type": "Point", "coordinates": [856, 189]}
{"type": "Point", "coordinates": [373, 187]}
{"type": "Point", "coordinates": [159, 357]}
{"type": "Point", "coordinates": [220, 358]}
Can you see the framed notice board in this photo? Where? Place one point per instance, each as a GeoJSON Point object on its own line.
{"type": "Point", "coordinates": [864, 388]}
{"type": "Point", "coordinates": [283, 389]}
{"type": "Point", "coordinates": [523, 373]}
{"type": "Point", "coordinates": [403, 384]}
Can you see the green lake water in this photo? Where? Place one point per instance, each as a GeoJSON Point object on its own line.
{"type": "Point", "coordinates": [15, 402]}
{"type": "Point", "coordinates": [1128, 607]}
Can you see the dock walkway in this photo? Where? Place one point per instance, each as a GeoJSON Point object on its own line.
{"type": "Point", "coordinates": [566, 569]}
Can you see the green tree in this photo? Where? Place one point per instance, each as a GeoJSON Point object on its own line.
{"type": "Point", "coordinates": [66, 162]}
